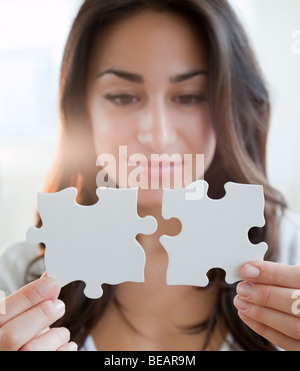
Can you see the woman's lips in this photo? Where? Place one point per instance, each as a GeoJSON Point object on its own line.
{"type": "Point", "coordinates": [158, 169]}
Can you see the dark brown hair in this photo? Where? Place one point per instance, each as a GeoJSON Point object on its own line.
{"type": "Point", "coordinates": [241, 114]}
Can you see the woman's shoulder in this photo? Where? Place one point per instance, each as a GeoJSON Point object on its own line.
{"type": "Point", "coordinates": [14, 260]}
{"type": "Point", "coordinates": [290, 238]}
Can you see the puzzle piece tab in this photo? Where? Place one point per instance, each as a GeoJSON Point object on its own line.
{"type": "Point", "coordinates": [214, 232]}
{"type": "Point", "coordinates": [95, 244]}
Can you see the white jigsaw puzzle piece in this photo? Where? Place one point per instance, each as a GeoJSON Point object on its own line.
{"type": "Point", "coordinates": [95, 244]}
{"type": "Point", "coordinates": [214, 232]}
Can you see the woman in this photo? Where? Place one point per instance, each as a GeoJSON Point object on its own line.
{"type": "Point", "coordinates": [161, 76]}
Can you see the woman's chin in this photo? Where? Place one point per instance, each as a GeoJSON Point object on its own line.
{"type": "Point", "coordinates": [150, 198]}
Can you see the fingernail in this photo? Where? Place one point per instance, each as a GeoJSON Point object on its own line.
{"type": "Point", "coordinates": [46, 286]}
{"type": "Point", "coordinates": [59, 305]}
{"type": "Point", "coordinates": [241, 304]}
{"type": "Point", "coordinates": [245, 289]}
{"type": "Point", "coordinates": [251, 272]}
{"type": "Point", "coordinates": [72, 347]}
{"type": "Point", "coordinates": [65, 333]}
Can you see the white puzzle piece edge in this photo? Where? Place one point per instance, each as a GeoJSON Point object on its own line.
{"type": "Point", "coordinates": [214, 232]}
{"type": "Point", "coordinates": [95, 244]}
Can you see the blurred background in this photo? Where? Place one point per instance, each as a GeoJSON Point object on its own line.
{"type": "Point", "coordinates": [32, 37]}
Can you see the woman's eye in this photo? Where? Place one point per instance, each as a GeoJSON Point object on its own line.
{"type": "Point", "coordinates": [122, 99]}
{"type": "Point", "coordinates": [189, 99]}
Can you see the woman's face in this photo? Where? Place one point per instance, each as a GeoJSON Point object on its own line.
{"type": "Point", "coordinates": [147, 93]}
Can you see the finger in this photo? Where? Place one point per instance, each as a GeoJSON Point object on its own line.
{"type": "Point", "coordinates": [43, 331]}
{"type": "Point", "coordinates": [280, 340]}
{"type": "Point", "coordinates": [274, 274]}
{"type": "Point", "coordinates": [284, 323]}
{"type": "Point", "coordinates": [278, 298]}
{"type": "Point", "coordinates": [49, 341]}
{"type": "Point", "coordinates": [29, 296]}
{"type": "Point", "coordinates": [70, 347]}
{"type": "Point", "coordinates": [21, 329]}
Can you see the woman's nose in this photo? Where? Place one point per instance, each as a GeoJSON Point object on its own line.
{"type": "Point", "coordinates": [156, 129]}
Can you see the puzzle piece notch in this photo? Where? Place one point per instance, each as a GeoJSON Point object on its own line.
{"type": "Point", "coordinates": [214, 233]}
{"type": "Point", "coordinates": [71, 233]}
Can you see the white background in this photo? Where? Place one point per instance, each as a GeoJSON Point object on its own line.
{"type": "Point", "coordinates": [32, 37]}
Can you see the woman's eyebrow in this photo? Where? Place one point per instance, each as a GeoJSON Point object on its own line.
{"type": "Point", "coordinates": [187, 76]}
{"type": "Point", "coordinates": [124, 75]}
{"type": "Point", "coordinates": [132, 77]}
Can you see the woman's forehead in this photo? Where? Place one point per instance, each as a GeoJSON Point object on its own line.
{"type": "Point", "coordinates": [149, 39]}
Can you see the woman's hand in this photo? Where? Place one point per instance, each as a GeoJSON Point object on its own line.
{"type": "Point", "coordinates": [28, 314]}
{"type": "Point", "coordinates": [268, 301]}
